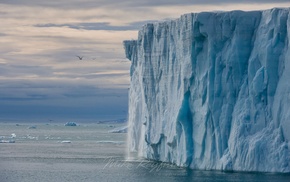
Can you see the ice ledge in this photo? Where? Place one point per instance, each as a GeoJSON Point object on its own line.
{"type": "Point", "coordinates": [130, 47]}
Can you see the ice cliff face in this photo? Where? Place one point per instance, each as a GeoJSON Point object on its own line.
{"type": "Point", "coordinates": [212, 91]}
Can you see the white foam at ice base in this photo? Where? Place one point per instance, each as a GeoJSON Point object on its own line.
{"type": "Point", "coordinates": [211, 91]}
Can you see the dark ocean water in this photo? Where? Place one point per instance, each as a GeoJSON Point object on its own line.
{"type": "Point", "coordinates": [53, 152]}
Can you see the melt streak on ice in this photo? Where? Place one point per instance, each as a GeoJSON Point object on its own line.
{"type": "Point", "coordinates": [212, 91]}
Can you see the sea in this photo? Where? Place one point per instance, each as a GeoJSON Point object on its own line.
{"type": "Point", "coordinates": [89, 152]}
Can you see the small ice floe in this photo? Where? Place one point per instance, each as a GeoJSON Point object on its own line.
{"type": "Point", "coordinates": [7, 141]}
{"type": "Point", "coordinates": [52, 138]}
{"type": "Point", "coordinates": [70, 124]}
{"type": "Point", "coordinates": [65, 141]}
{"type": "Point", "coordinates": [13, 135]}
{"type": "Point", "coordinates": [32, 137]}
{"type": "Point", "coordinates": [111, 142]}
{"type": "Point", "coordinates": [31, 127]}
{"type": "Point", "coordinates": [123, 129]}
{"type": "Point", "coordinates": [48, 137]}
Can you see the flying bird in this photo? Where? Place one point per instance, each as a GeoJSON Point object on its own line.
{"type": "Point", "coordinates": [80, 57]}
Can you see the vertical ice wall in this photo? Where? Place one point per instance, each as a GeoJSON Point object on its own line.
{"type": "Point", "coordinates": [212, 91]}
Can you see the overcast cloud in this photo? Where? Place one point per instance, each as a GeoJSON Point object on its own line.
{"type": "Point", "coordinates": [41, 77]}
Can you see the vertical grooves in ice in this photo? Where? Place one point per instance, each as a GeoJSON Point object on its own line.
{"type": "Point", "coordinates": [212, 91]}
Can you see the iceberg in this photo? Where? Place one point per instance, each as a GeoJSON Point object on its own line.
{"type": "Point", "coordinates": [31, 127]}
{"type": "Point", "coordinates": [122, 129]}
{"type": "Point", "coordinates": [70, 124]}
{"type": "Point", "coordinates": [7, 141]}
{"type": "Point", "coordinates": [65, 141]}
{"type": "Point", "coordinates": [211, 91]}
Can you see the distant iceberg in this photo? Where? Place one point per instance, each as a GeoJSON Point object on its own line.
{"type": "Point", "coordinates": [7, 141]}
{"type": "Point", "coordinates": [32, 127]}
{"type": "Point", "coordinates": [123, 129]}
{"type": "Point", "coordinates": [70, 124]}
{"type": "Point", "coordinates": [211, 91]}
{"type": "Point", "coordinates": [65, 141]}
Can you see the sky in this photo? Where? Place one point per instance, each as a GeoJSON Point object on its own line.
{"type": "Point", "coordinates": [41, 79]}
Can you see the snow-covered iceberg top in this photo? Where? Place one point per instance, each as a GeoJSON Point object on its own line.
{"type": "Point", "coordinates": [211, 91]}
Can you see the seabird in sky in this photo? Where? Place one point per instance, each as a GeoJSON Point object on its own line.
{"type": "Point", "coordinates": [80, 58]}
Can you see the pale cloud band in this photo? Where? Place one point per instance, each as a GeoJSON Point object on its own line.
{"type": "Point", "coordinates": [39, 41]}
